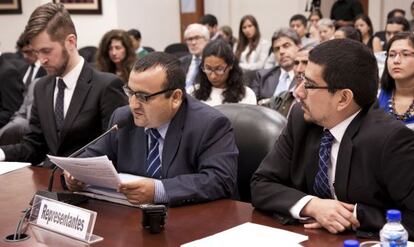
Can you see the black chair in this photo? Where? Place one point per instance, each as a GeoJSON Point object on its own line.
{"type": "Point", "coordinates": [256, 129]}
{"type": "Point", "coordinates": [89, 53]}
{"type": "Point", "coordinates": [177, 49]}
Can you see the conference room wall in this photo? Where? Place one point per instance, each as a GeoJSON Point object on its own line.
{"type": "Point", "coordinates": [160, 26]}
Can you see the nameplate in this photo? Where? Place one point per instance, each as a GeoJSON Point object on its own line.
{"type": "Point", "coordinates": [65, 219]}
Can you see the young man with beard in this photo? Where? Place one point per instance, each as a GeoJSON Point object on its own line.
{"type": "Point", "coordinates": [73, 103]}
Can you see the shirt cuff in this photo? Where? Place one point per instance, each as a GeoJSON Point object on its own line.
{"type": "Point", "coordinates": [160, 195]}
{"type": "Point", "coordinates": [2, 155]}
{"type": "Point", "coordinates": [299, 205]}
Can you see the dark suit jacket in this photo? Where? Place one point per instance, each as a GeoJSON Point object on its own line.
{"type": "Point", "coordinates": [11, 91]}
{"type": "Point", "coordinates": [199, 159]}
{"type": "Point", "coordinates": [96, 96]}
{"type": "Point", "coordinates": [186, 62]}
{"type": "Point", "coordinates": [266, 82]}
{"type": "Point", "coordinates": [375, 168]}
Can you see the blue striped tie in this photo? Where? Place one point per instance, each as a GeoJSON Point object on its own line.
{"type": "Point", "coordinates": [321, 185]}
{"type": "Point", "coordinates": [153, 158]}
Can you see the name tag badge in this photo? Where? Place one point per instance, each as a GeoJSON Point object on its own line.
{"type": "Point", "coordinates": [65, 219]}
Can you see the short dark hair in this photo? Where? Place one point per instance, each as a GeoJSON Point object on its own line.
{"type": "Point", "coordinates": [209, 20]}
{"type": "Point", "coordinates": [392, 13]}
{"type": "Point", "coordinates": [300, 18]}
{"type": "Point", "coordinates": [134, 33]}
{"type": "Point", "coordinates": [368, 21]}
{"type": "Point", "coordinates": [387, 82]}
{"type": "Point", "coordinates": [399, 20]}
{"type": "Point", "coordinates": [351, 33]}
{"type": "Point", "coordinates": [175, 76]}
{"type": "Point", "coordinates": [288, 33]}
{"type": "Point", "coordinates": [348, 64]}
{"type": "Point", "coordinates": [52, 17]}
{"type": "Point", "coordinates": [21, 42]}
{"type": "Point", "coordinates": [235, 90]}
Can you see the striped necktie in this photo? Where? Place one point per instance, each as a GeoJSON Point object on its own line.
{"type": "Point", "coordinates": [321, 185]}
{"type": "Point", "coordinates": [153, 158]}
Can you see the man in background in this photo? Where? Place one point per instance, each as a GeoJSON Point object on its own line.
{"type": "Point", "coordinates": [135, 37]}
{"type": "Point", "coordinates": [210, 21]}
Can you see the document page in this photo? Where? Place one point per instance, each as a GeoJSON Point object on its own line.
{"type": "Point", "coordinates": [250, 234]}
{"type": "Point", "coordinates": [98, 171]}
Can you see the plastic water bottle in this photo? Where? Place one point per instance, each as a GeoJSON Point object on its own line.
{"type": "Point", "coordinates": [393, 233]}
{"type": "Point", "coordinates": [351, 243]}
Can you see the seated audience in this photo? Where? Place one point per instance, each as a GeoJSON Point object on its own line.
{"type": "Point", "coordinates": [210, 22]}
{"type": "Point", "coordinates": [73, 103]}
{"type": "Point", "coordinates": [348, 32]}
{"type": "Point", "coordinates": [313, 20]}
{"type": "Point", "coordinates": [364, 25]}
{"type": "Point", "coordinates": [299, 24]}
{"type": "Point", "coordinates": [227, 34]}
{"type": "Point", "coordinates": [116, 54]}
{"type": "Point", "coordinates": [272, 82]}
{"type": "Point", "coordinates": [220, 79]}
{"type": "Point", "coordinates": [251, 49]}
{"type": "Point", "coordinates": [135, 37]}
{"type": "Point", "coordinates": [185, 148]}
{"type": "Point", "coordinates": [196, 36]}
{"type": "Point", "coordinates": [397, 81]}
{"type": "Point", "coordinates": [326, 29]}
{"type": "Point", "coordinates": [325, 169]}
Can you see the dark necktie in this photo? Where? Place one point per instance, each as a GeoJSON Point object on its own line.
{"type": "Point", "coordinates": [321, 185]}
{"type": "Point", "coordinates": [59, 114]}
{"type": "Point", "coordinates": [153, 159]}
{"type": "Point", "coordinates": [29, 77]}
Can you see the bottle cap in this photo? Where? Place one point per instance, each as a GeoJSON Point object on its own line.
{"type": "Point", "coordinates": [393, 214]}
{"type": "Point", "coordinates": [351, 243]}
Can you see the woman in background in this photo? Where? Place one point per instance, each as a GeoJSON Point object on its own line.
{"type": "Point", "coordinates": [364, 25]}
{"type": "Point", "coordinates": [220, 79]}
{"type": "Point", "coordinates": [251, 50]}
{"type": "Point", "coordinates": [227, 34]}
{"type": "Point", "coordinates": [313, 19]}
{"type": "Point", "coordinates": [397, 81]}
{"type": "Point", "coordinates": [115, 54]}
{"type": "Point", "coordinates": [326, 29]}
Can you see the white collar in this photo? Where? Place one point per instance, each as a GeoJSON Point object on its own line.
{"type": "Point", "coordinates": [338, 130]}
{"type": "Point", "coordinates": [72, 77]}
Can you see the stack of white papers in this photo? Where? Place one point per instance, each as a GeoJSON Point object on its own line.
{"type": "Point", "coordinates": [250, 234]}
{"type": "Point", "coordinates": [6, 167]}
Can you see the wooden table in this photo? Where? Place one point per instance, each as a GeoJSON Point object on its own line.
{"type": "Point", "coordinates": [121, 225]}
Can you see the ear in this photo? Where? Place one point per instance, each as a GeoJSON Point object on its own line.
{"type": "Point", "coordinates": [346, 97]}
{"type": "Point", "coordinates": [71, 42]}
{"type": "Point", "coordinates": [177, 98]}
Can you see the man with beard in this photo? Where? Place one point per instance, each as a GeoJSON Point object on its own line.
{"type": "Point", "coordinates": [272, 82]}
{"type": "Point", "coordinates": [73, 104]}
{"type": "Point", "coordinates": [341, 162]}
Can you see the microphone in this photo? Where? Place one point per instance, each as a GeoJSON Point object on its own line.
{"type": "Point", "coordinates": [71, 198]}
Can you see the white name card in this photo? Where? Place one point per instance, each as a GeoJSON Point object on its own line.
{"type": "Point", "coordinates": [65, 219]}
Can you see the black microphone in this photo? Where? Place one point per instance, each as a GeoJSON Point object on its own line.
{"type": "Point", "coordinates": [71, 198]}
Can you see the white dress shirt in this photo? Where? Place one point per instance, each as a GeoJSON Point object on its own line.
{"type": "Point", "coordinates": [35, 70]}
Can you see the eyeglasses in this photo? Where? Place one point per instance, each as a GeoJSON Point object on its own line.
{"type": "Point", "coordinates": [308, 84]}
{"type": "Point", "coordinates": [402, 54]}
{"type": "Point", "coordinates": [143, 97]}
{"type": "Point", "coordinates": [194, 38]}
{"type": "Point", "coordinates": [217, 71]}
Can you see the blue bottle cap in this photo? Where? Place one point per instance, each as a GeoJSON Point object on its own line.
{"type": "Point", "coordinates": [351, 243]}
{"type": "Point", "coordinates": [394, 215]}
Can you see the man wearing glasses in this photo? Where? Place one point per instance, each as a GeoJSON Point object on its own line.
{"type": "Point", "coordinates": [196, 37]}
{"type": "Point", "coordinates": [341, 162]}
{"type": "Point", "coordinates": [185, 148]}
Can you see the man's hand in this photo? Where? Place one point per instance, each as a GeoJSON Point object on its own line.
{"type": "Point", "coordinates": [72, 183]}
{"type": "Point", "coordinates": [333, 215]}
{"type": "Point", "coordinates": [139, 191]}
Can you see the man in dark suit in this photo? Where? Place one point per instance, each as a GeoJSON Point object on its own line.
{"type": "Point", "coordinates": [341, 162]}
{"type": "Point", "coordinates": [73, 104]}
{"type": "Point", "coordinates": [184, 147]}
{"type": "Point", "coordinates": [196, 36]}
{"type": "Point", "coordinates": [274, 81]}
{"type": "Point", "coordinates": [11, 90]}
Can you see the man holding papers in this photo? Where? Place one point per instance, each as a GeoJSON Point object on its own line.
{"type": "Point", "coordinates": [184, 147]}
{"type": "Point", "coordinates": [341, 162]}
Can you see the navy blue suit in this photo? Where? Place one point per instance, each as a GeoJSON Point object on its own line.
{"type": "Point", "coordinates": [199, 160]}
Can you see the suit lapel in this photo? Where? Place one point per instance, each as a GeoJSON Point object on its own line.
{"type": "Point", "coordinates": [79, 96]}
{"type": "Point", "coordinates": [312, 159]}
{"type": "Point", "coordinates": [275, 80]}
{"type": "Point", "coordinates": [173, 138]}
{"type": "Point", "coordinates": [49, 113]}
{"type": "Point", "coordinates": [343, 163]}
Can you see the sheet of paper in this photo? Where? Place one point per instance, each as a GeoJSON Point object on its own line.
{"type": "Point", "coordinates": [98, 171]}
{"type": "Point", "coordinates": [250, 234]}
{"type": "Point", "coordinates": [6, 167]}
